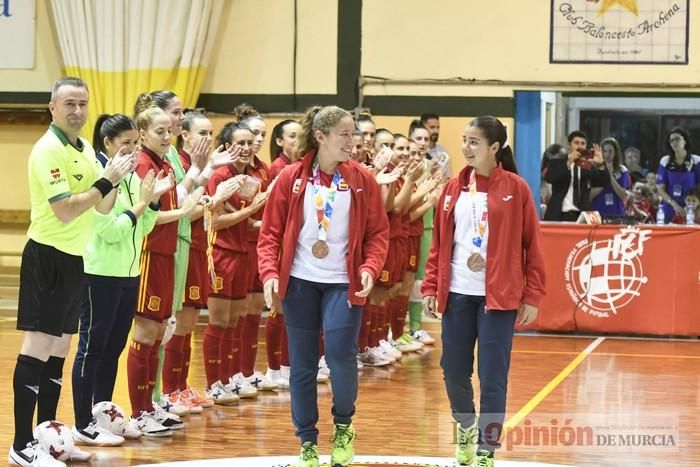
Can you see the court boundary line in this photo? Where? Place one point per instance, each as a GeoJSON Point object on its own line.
{"type": "Point", "coordinates": [530, 405]}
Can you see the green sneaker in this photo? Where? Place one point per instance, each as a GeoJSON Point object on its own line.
{"type": "Point", "coordinates": [343, 451]}
{"type": "Point", "coordinates": [309, 455]}
{"type": "Point", "coordinates": [467, 441]}
{"type": "Point", "coordinates": [484, 459]}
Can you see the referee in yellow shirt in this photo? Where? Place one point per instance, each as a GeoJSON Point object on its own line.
{"type": "Point", "coordinates": [65, 183]}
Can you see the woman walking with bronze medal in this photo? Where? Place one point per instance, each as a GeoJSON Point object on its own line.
{"type": "Point", "coordinates": [321, 247]}
{"type": "Point", "coordinates": [484, 272]}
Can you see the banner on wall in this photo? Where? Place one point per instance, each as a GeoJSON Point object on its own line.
{"type": "Point", "coordinates": [619, 31]}
{"type": "Point", "coordinates": [621, 279]}
{"type": "Point", "coordinates": [17, 33]}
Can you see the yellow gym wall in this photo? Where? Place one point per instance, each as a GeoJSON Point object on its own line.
{"type": "Point", "coordinates": [401, 39]}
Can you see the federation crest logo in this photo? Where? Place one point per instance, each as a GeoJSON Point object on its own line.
{"type": "Point", "coordinates": [154, 303]}
{"type": "Point", "coordinates": [194, 292]}
{"type": "Point", "coordinates": [604, 276]}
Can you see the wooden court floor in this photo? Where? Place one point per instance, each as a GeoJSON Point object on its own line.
{"type": "Point", "coordinates": [581, 401]}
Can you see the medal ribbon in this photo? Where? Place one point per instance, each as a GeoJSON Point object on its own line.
{"type": "Point", "coordinates": [210, 243]}
{"type": "Point", "coordinates": [324, 207]}
{"type": "Point", "coordinates": [478, 225]}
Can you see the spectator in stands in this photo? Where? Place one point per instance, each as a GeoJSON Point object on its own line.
{"type": "Point", "coordinates": [678, 175]}
{"type": "Point", "coordinates": [438, 152]}
{"type": "Point", "coordinates": [571, 180]}
{"type": "Point", "coordinates": [553, 151]}
{"type": "Point", "coordinates": [633, 157]}
{"type": "Point", "coordinates": [640, 203]}
{"type": "Point", "coordinates": [610, 199]}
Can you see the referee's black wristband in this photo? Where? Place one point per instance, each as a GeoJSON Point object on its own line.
{"type": "Point", "coordinates": [104, 186]}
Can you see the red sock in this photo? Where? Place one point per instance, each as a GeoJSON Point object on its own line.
{"type": "Point", "coordinates": [152, 374]}
{"type": "Point", "coordinates": [186, 357]}
{"type": "Point", "coordinates": [230, 353]}
{"type": "Point", "coordinates": [365, 328]}
{"type": "Point", "coordinates": [137, 364]}
{"type": "Point", "coordinates": [211, 348]}
{"type": "Point", "coordinates": [249, 343]}
{"type": "Point", "coordinates": [284, 346]}
{"type": "Point", "coordinates": [273, 338]}
{"type": "Point", "coordinates": [399, 306]}
{"type": "Point", "coordinates": [382, 322]}
{"type": "Point", "coordinates": [172, 363]}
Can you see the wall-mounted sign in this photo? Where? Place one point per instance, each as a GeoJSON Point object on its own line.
{"type": "Point", "coordinates": [17, 32]}
{"type": "Point", "coordinates": [619, 31]}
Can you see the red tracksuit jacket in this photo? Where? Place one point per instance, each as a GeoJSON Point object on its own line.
{"type": "Point", "coordinates": [514, 261]}
{"type": "Point", "coordinates": [284, 216]}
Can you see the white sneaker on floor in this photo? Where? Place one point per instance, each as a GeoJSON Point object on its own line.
{"type": "Point", "coordinates": [360, 365]}
{"type": "Point", "coordinates": [186, 400]}
{"type": "Point", "coordinates": [283, 381]}
{"type": "Point", "coordinates": [171, 403]}
{"type": "Point", "coordinates": [276, 377]}
{"type": "Point", "coordinates": [406, 343]}
{"type": "Point", "coordinates": [323, 367]}
{"type": "Point", "coordinates": [390, 349]}
{"type": "Point", "coordinates": [95, 435]}
{"type": "Point", "coordinates": [221, 395]}
{"type": "Point", "coordinates": [25, 457]}
{"type": "Point", "coordinates": [238, 385]}
{"type": "Point", "coordinates": [148, 426]}
{"type": "Point", "coordinates": [321, 377]}
{"type": "Point", "coordinates": [44, 459]}
{"type": "Point", "coordinates": [78, 455]}
{"type": "Point", "coordinates": [370, 357]}
{"type": "Point", "coordinates": [131, 432]}
{"type": "Point", "coordinates": [261, 382]}
{"type": "Point", "coordinates": [167, 419]}
{"type": "Point", "coordinates": [423, 337]}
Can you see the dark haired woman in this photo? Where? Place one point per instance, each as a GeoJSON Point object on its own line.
{"type": "Point", "coordinates": [322, 249]}
{"type": "Point", "coordinates": [678, 174]}
{"type": "Point", "coordinates": [610, 200]}
{"type": "Point", "coordinates": [282, 142]}
{"type": "Point", "coordinates": [485, 271]}
{"type": "Point", "coordinates": [111, 282]}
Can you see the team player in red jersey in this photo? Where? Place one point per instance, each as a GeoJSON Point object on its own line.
{"type": "Point", "coordinates": [249, 321]}
{"type": "Point", "coordinates": [485, 271]}
{"type": "Point", "coordinates": [227, 298]}
{"type": "Point", "coordinates": [282, 142]}
{"type": "Point", "coordinates": [321, 248]}
{"type": "Point", "coordinates": [154, 305]}
{"type": "Point", "coordinates": [196, 136]}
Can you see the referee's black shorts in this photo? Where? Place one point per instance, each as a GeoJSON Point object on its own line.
{"type": "Point", "coordinates": [50, 284]}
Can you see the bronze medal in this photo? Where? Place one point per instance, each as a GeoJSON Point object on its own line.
{"type": "Point", "coordinates": [320, 249]}
{"type": "Point", "coordinates": [476, 262]}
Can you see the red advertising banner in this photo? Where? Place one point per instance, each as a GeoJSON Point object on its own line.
{"type": "Point", "coordinates": [621, 279]}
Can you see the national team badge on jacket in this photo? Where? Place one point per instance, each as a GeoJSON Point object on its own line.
{"type": "Point", "coordinates": [297, 186]}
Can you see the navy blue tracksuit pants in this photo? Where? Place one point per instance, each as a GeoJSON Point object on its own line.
{"type": "Point", "coordinates": [108, 308]}
{"type": "Point", "coordinates": [310, 307]}
{"type": "Point", "coordinates": [464, 323]}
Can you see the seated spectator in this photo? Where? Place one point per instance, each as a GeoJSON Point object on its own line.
{"type": "Point", "coordinates": [639, 203]}
{"type": "Point", "coordinates": [633, 157]}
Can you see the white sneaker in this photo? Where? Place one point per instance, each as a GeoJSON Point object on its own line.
{"type": "Point", "coordinates": [384, 352]}
{"type": "Point", "coordinates": [261, 382]}
{"type": "Point", "coordinates": [321, 377]}
{"type": "Point", "coordinates": [171, 403]}
{"type": "Point", "coordinates": [186, 400]}
{"type": "Point", "coordinates": [95, 435]}
{"type": "Point", "coordinates": [78, 455]}
{"type": "Point", "coordinates": [276, 377]}
{"type": "Point", "coordinates": [25, 457]}
{"type": "Point", "coordinates": [423, 337]}
{"type": "Point", "coordinates": [407, 343]}
{"type": "Point", "coordinates": [44, 459]}
{"type": "Point", "coordinates": [323, 367]}
{"type": "Point", "coordinates": [238, 385]}
{"type": "Point", "coordinates": [221, 395]}
{"type": "Point", "coordinates": [148, 426]}
{"type": "Point", "coordinates": [360, 365]}
{"type": "Point", "coordinates": [283, 380]}
{"type": "Point", "coordinates": [167, 419]}
{"type": "Point", "coordinates": [370, 357]}
{"type": "Point", "coordinates": [131, 432]}
{"type": "Point", "coordinates": [390, 349]}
